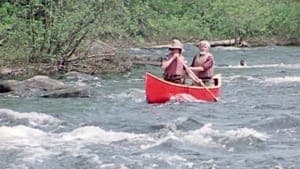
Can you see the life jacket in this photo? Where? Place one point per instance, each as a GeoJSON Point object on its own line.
{"type": "Point", "coordinates": [174, 72]}
{"type": "Point", "coordinates": [208, 67]}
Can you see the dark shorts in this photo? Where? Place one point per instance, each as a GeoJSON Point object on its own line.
{"type": "Point", "coordinates": [206, 82]}
{"type": "Point", "coordinates": [175, 78]}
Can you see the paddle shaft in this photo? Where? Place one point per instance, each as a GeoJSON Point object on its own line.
{"type": "Point", "coordinates": [196, 79]}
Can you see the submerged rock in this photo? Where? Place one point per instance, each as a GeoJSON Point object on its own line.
{"type": "Point", "coordinates": [76, 91]}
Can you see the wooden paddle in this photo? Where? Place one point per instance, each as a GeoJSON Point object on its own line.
{"type": "Point", "coordinates": [196, 79]}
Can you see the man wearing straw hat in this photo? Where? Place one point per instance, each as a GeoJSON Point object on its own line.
{"type": "Point", "coordinates": [172, 64]}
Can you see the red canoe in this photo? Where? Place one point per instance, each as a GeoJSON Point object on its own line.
{"type": "Point", "coordinates": [160, 91]}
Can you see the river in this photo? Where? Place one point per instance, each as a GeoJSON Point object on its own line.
{"type": "Point", "coordinates": [254, 125]}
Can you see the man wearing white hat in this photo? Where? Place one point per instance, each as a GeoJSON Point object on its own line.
{"type": "Point", "coordinates": [203, 64]}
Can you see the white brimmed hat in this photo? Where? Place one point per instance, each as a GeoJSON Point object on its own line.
{"type": "Point", "coordinates": [203, 42]}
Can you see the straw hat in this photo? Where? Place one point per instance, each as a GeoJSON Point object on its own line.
{"type": "Point", "coordinates": [176, 44]}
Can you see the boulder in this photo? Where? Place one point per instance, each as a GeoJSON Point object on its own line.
{"type": "Point", "coordinates": [9, 85]}
{"type": "Point", "coordinates": [43, 83]}
{"type": "Point", "coordinates": [4, 88]}
{"type": "Point", "coordinates": [76, 91]}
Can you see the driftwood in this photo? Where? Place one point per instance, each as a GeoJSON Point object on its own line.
{"type": "Point", "coordinates": [143, 60]}
{"type": "Point", "coordinates": [102, 55]}
{"type": "Point", "coordinates": [229, 42]}
{"type": "Point", "coordinates": [159, 46]}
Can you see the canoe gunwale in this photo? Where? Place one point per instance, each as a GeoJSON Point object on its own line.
{"type": "Point", "coordinates": [159, 90]}
{"type": "Point", "coordinates": [217, 76]}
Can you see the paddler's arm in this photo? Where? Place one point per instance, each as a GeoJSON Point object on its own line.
{"type": "Point", "coordinates": [195, 68]}
{"type": "Point", "coordinates": [207, 65]}
{"type": "Point", "coordinates": [166, 63]}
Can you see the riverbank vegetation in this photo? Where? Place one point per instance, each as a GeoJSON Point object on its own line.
{"type": "Point", "coordinates": [60, 31]}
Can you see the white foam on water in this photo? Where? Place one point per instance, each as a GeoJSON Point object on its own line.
{"type": "Point", "coordinates": [245, 133]}
{"type": "Point", "coordinates": [185, 98]}
{"type": "Point", "coordinates": [92, 134]}
{"type": "Point", "coordinates": [34, 118]}
{"type": "Point", "coordinates": [286, 79]}
{"type": "Point", "coordinates": [180, 120]}
{"type": "Point", "coordinates": [135, 94]}
{"type": "Point", "coordinates": [36, 145]}
{"type": "Point", "coordinates": [206, 136]}
{"type": "Point", "coordinates": [288, 132]}
{"type": "Point", "coordinates": [20, 136]}
{"type": "Point", "coordinates": [280, 65]}
{"type": "Point", "coordinates": [96, 78]}
{"type": "Point", "coordinates": [27, 136]}
{"type": "Point", "coordinates": [241, 133]}
{"type": "Point", "coordinates": [113, 166]}
{"type": "Point", "coordinates": [98, 84]}
{"type": "Point", "coordinates": [159, 141]}
{"type": "Point", "coordinates": [202, 136]}
{"type": "Point", "coordinates": [36, 154]}
{"type": "Point", "coordinates": [32, 143]}
{"type": "Point", "coordinates": [176, 160]}
{"type": "Point", "coordinates": [18, 166]}
{"type": "Point", "coordinates": [134, 80]}
{"type": "Point", "coordinates": [171, 159]}
{"type": "Point", "coordinates": [230, 78]}
{"type": "Point", "coordinates": [229, 48]}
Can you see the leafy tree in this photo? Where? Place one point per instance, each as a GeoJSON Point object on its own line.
{"type": "Point", "coordinates": [49, 28]}
{"type": "Point", "coordinates": [43, 30]}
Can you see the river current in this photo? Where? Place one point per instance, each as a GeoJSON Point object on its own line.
{"type": "Point", "coordinates": [254, 125]}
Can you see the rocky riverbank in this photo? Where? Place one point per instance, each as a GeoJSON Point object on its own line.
{"type": "Point", "coordinates": [101, 58]}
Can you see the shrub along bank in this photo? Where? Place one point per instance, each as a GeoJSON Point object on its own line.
{"type": "Point", "coordinates": [52, 32]}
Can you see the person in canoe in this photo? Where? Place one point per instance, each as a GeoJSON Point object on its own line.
{"type": "Point", "coordinates": [203, 64]}
{"type": "Point", "coordinates": [172, 64]}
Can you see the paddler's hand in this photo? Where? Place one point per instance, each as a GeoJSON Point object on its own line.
{"type": "Point", "coordinates": [180, 58]}
{"type": "Point", "coordinates": [176, 55]}
{"type": "Point", "coordinates": [199, 81]}
{"type": "Point", "coordinates": [198, 68]}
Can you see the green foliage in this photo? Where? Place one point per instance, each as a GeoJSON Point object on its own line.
{"type": "Point", "coordinates": [40, 30]}
{"type": "Point", "coordinates": [46, 29]}
{"type": "Point", "coordinates": [287, 22]}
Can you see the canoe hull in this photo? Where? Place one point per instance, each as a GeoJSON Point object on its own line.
{"type": "Point", "coordinates": [160, 91]}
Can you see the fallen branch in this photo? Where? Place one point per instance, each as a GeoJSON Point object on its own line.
{"type": "Point", "coordinates": [143, 60]}
{"type": "Point", "coordinates": [153, 63]}
{"type": "Point", "coordinates": [159, 46]}
{"type": "Point", "coordinates": [104, 55]}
